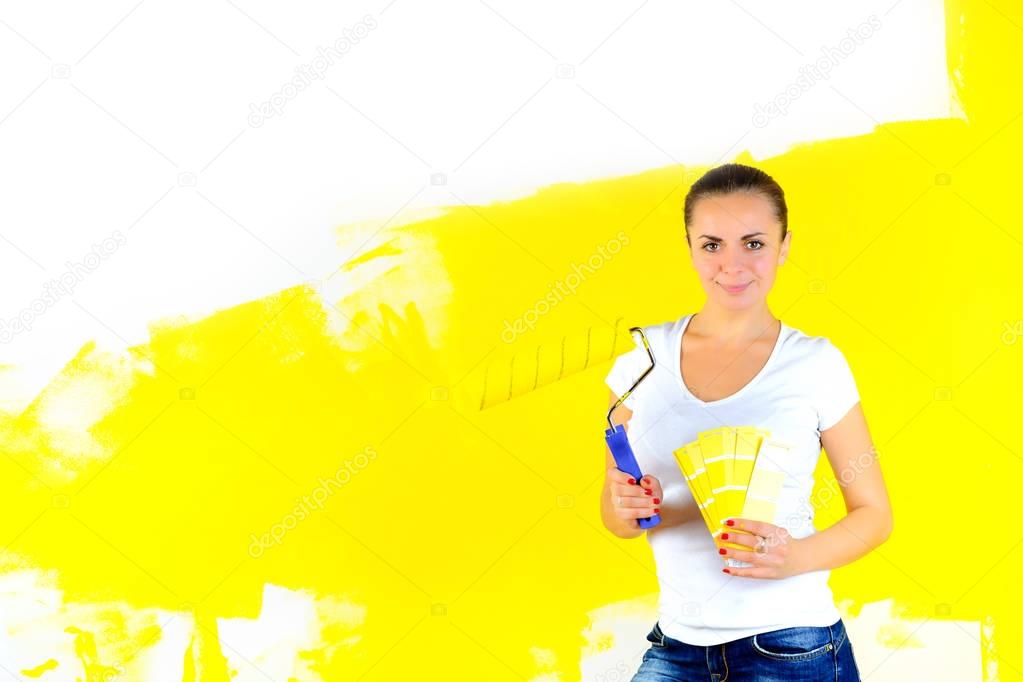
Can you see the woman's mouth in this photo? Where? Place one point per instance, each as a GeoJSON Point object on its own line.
{"type": "Point", "coordinates": [735, 289]}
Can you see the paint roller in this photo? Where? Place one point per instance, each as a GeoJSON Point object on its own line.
{"type": "Point", "coordinates": [547, 364]}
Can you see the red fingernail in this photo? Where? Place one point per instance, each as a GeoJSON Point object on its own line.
{"type": "Point", "coordinates": [657, 500]}
{"type": "Point", "coordinates": [730, 522]}
{"type": "Point", "coordinates": [722, 551]}
{"type": "Point", "coordinates": [726, 570]}
{"type": "Point", "coordinates": [648, 492]}
{"type": "Point", "coordinates": [632, 481]}
{"type": "Point", "coordinates": [724, 536]}
{"type": "Point", "coordinates": [657, 511]}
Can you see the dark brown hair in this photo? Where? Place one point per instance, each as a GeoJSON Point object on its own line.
{"type": "Point", "coordinates": [735, 177]}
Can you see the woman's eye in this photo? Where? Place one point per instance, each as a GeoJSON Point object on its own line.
{"type": "Point", "coordinates": [759, 246]}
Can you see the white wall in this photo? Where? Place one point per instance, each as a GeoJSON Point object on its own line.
{"type": "Point", "coordinates": [133, 122]}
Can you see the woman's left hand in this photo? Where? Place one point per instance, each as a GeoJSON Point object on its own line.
{"type": "Point", "coordinates": [779, 558]}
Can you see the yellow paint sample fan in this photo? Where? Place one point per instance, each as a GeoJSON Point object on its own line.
{"type": "Point", "coordinates": [734, 472]}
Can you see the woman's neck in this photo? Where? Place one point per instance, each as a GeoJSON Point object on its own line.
{"type": "Point", "coordinates": [733, 327]}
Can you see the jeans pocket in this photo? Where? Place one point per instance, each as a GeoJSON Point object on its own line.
{"type": "Point", "coordinates": [656, 637]}
{"type": "Point", "coordinates": [794, 644]}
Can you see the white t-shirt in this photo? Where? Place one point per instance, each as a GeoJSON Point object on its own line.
{"type": "Point", "coordinates": [805, 387]}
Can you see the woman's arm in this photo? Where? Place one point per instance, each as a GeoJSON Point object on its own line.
{"type": "Point", "coordinates": [616, 479]}
{"type": "Point", "coordinates": [868, 521]}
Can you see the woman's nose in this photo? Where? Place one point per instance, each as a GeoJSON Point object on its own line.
{"type": "Point", "coordinates": [731, 262]}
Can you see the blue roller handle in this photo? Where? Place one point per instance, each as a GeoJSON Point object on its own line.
{"type": "Point", "coordinates": [618, 443]}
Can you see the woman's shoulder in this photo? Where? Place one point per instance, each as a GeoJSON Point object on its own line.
{"type": "Point", "coordinates": [812, 347]}
{"type": "Point", "coordinates": [660, 334]}
{"type": "Point", "coordinates": [661, 329]}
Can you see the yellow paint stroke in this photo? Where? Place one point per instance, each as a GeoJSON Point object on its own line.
{"type": "Point", "coordinates": [88, 656]}
{"type": "Point", "coordinates": [39, 670]}
{"type": "Point", "coordinates": [472, 539]}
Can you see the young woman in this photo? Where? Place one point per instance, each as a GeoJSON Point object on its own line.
{"type": "Point", "coordinates": [734, 364]}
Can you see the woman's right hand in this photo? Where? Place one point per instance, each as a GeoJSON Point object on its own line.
{"type": "Point", "coordinates": [632, 499]}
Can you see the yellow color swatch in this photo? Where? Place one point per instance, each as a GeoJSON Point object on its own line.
{"type": "Point", "coordinates": [733, 472]}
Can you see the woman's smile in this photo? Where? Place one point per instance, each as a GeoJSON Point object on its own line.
{"type": "Point", "coordinates": [735, 289]}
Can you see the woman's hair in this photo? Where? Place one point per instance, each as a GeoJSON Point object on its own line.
{"type": "Point", "coordinates": [735, 177]}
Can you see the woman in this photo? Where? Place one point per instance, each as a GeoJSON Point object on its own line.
{"type": "Point", "coordinates": [734, 364]}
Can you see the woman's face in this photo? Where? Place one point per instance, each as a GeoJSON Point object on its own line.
{"type": "Point", "coordinates": [736, 240]}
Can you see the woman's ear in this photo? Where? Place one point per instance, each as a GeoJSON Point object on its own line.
{"type": "Point", "coordinates": [783, 252]}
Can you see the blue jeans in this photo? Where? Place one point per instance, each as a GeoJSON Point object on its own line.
{"type": "Point", "coordinates": [801, 653]}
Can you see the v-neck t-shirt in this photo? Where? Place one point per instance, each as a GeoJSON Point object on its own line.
{"type": "Point", "coordinates": [805, 387]}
